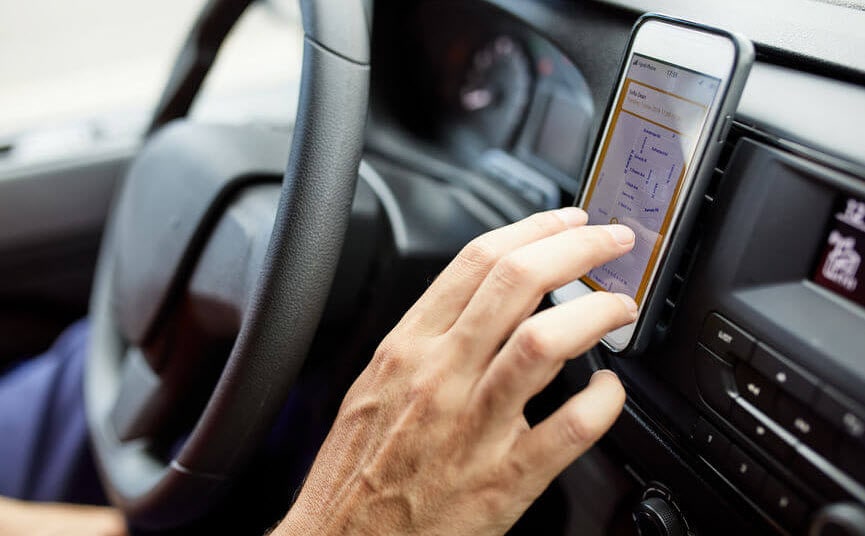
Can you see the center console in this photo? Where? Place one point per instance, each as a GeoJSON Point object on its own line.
{"type": "Point", "coordinates": [759, 369]}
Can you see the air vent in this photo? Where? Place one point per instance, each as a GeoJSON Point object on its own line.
{"type": "Point", "coordinates": [689, 256]}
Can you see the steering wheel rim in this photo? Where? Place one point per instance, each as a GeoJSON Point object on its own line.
{"type": "Point", "coordinates": [284, 308]}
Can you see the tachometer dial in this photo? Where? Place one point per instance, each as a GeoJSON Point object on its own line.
{"type": "Point", "coordinates": [495, 90]}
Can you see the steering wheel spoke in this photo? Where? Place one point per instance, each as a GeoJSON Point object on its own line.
{"type": "Point", "coordinates": [136, 409]}
{"type": "Point", "coordinates": [220, 287]}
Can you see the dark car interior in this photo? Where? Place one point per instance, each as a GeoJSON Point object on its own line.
{"type": "Point", "coordinates": [746, 415]}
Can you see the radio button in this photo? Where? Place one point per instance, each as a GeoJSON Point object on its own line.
{"type": "Point", "coordinates": [709, 441]}
{"type": "Point", "coordinates": [842, 413]}
{"type": "Point", "coordinates": [744, 471]}
{"type": "Point", "coordinates": [761, 433]}
{"type": "Point", "coordinates": [804, 424]}
{"type": "Point", "coordinates": [715, 380]}
{"type": "Point", "coordinates": [725, 339]}
{"type": "Point", "coordinates": [754, 388]}
{"type": "Point", "coordinates": [782, 504]}
{"type": "Point", "coordinates": [785, 374]}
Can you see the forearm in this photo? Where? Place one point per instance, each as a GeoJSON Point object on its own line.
{"type": "Point", "coordinates": [11, 515]}
{"type": "Point", "coordinates": [49, 519]}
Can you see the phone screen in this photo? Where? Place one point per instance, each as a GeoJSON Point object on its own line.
{"type": "Point", "coordinates": [643, 162]}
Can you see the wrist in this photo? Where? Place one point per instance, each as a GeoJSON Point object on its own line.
{"type": "Point", "coordinates": [332, 518]}
{"type": "Point", "coordinates": [298, 521]}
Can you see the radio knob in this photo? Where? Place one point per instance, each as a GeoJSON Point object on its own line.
{"type": "Point", "coordinates": [840, 519]}
{"type": "Point", "coordinates": [656, 516]}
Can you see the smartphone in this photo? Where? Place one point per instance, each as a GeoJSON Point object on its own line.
{"type": "Point", "coordinates": [677, 91]}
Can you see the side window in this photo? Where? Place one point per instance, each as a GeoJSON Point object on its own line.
{"type": "Point", "coordinates": [68, 69]}
{"type": "Point", "coordinates": [62, 62]}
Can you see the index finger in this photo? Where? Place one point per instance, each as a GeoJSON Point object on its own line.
{"type": "Point", "coordinates": [445, 299]}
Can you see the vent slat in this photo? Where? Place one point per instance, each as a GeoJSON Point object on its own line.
{"type": "Point", "coordinates": [689, 256]}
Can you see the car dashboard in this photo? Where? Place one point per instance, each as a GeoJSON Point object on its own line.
{"type": "Point", "coordinates": [747, 413]}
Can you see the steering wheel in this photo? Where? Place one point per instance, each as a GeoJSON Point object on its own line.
{"type": "Point", "coordinates": [266, 304]}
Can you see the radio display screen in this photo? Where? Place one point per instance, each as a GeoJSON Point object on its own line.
{"type": "Point", "coordinates": [841, 268]}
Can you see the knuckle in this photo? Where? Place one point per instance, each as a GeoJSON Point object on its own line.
{"type": "Point", "coordinates": [522, 478]}
{"type": "Point", "coordinates": [505, 490]}
{"type": "Point", "coordinates": [421, 390]}
{"type": "Point", "coordinates": [423, 400]}
{"type": "Point", "coordinates": [546, 222]}
{"type": "Point", "coordinates": [488, 400]}
{"type": "Point", "coordinates": [386, 349]}
{"type": "Point", "coordinates": [578, 430]}
{"type": "Point", "coordinates": [425, 385]}
{"type": "Point", "coordinates": [532, 343]}
{"type": "Point", "coordinates": [479, 255]}
{"type": "Point", "coordinates": [389, 356]}
{"type": "Point", "coordinates": [495, 490]}
{"type": "Point", "coordinates": [518, 469]}
{"type": "Point", "coordinates": [493, 502]}
{"type": "Point", "coordinates": [514, 270]}
{"type": "Point", "coordinates": [460, 339]}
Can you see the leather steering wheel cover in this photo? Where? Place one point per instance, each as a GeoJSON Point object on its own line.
{"type": "Point", "coordinates": [286, 304]}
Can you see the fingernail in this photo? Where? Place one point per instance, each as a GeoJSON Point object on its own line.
{"type": "Point", "coordinates": [628, 301]}
{"type": "Point", "coordinates": [620, 233]}
{"type": "Point", "coordinates": [603, 371]}
{"type": "Point", "coordinates": [572, 216]}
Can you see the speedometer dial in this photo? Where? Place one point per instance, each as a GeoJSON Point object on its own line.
{"type": "Point", "coordinates": [495, 90]}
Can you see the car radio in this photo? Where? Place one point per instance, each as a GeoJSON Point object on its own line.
{"type": "Point", "coordinates": [780, 356]}
{"type": "Point", "coordinates": [785, 410]}
{"type": "Point", "coordinates": [767, 341]}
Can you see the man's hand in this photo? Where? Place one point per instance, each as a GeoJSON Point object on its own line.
{"type": "Point", "coordinates": [431, 438]}
{"type": "Point", "coordinates": [52, 519]}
